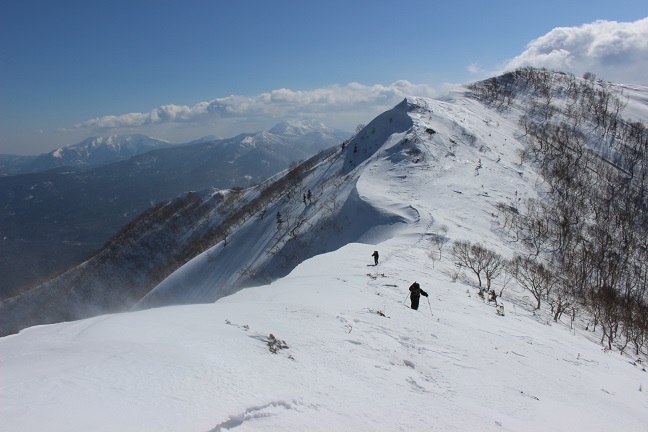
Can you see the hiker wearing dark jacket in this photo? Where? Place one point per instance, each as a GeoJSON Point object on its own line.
{"type": "Point", "coordinates": [415, 294]}
{"type": "Point", "coordinates": [375, 257]}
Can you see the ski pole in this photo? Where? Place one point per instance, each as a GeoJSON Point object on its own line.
{"type": "Point", "coordinates": [405, 299]}
{"type": "Point", "coordinates": [428, 299]}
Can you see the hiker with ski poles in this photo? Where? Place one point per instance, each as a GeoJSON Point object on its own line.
{"type": "Point", "coordinates": [415, 294]}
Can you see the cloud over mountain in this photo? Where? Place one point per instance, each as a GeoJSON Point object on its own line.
{"type": "Point", "coordinates": [280, 103]}
{"type": "Point", "coordinates": [615, 51]}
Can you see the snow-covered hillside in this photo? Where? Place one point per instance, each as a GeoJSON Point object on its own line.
{"type": "Point", "coordinates": [453, 365]}
{"type": "Point", "coordinates": [431, 162]}
{"type": "Point", "coordinates": [54, 220]}
{"type": "Point", "coordinates": [331, 343]}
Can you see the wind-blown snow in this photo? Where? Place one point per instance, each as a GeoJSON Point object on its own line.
{"type": "Point", "coordinates": [355, 358]}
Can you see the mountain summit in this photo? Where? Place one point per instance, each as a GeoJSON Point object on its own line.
{"type": "Point", "coordinates": [302, 127]}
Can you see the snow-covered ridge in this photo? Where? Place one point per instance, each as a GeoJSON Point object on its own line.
{"type": "Point", "coordinates": [333, 345]}
{"type": "Point", "coordinates": [65, 203]}
{"type": "Point", "coordinates": [335, 214]}
{"type": "Point", "coordinates": [218, 250]}
{"type": "Point", "coordinates": [326, 340]}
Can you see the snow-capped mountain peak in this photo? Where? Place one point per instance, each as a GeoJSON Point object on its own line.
{"type": "Point", "coordinates": [299, 127]}
{"type": "Point", "coordinates": [96, 151]}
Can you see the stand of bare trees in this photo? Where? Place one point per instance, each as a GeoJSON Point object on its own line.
{"type": "Point", "coordinates": [485, 264]}
{"type": "Point", "coordinates": [587, 241]}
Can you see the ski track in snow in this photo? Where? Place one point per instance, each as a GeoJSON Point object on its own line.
{"type": "Point", "coordinates": [253, 413]}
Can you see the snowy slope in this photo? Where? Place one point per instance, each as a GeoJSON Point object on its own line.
{"type": "Point", "coordinates": [364, 193]}
{"type": "Point", "coordinates": [335, 216]}
{"type": "Point", "coordinates": [356, 358]}
{"type": "Point", "coordinates": [346, 368]}
{"type": "Point", "coordinates": [54, 221]}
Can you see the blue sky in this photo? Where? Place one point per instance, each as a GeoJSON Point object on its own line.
{"type": "Point", "coordinates": [178, 70]}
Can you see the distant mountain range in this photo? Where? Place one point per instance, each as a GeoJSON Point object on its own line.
{"type": "Point", "coordinates": [89, 153]}
{"type": "Point", "coordinates": [58, 215]}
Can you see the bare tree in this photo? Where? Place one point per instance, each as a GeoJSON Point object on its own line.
{"type": "Point", "coordinates": [610, 305]}
{"type": "Point", "coordinates": [561, 301]}
{"type": "Point", "coordinates": [533, 277]}
{"type": "Point", "coordinates": [483, 262]}
{"type": "Point", "coordinates": [439, 240]}
{"type": "Point", "coordinates": [535, 226]}
{"type": "Point", "coordinates": [495, 265]}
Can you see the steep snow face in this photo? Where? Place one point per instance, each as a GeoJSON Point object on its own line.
{"type": "Point", "coordinates": [77, 213]}
{"type": "Point", "coordinates": [455, 160]}
{"type": "Point", "coordinates": [264, 249]}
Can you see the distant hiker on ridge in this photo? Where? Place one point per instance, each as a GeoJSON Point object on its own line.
{"type": "Point", "coordinates": [375, 257]}
{"type": "Point", "coordinates": [415, 294]}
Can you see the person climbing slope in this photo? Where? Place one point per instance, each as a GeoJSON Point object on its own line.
{"type": "Point", "coordinates": [415, 294]}
{"type": "Point", "coordinates": [375, 257]}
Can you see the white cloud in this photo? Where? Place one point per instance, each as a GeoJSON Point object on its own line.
{"type": "Point", "coordinates": [474, 68]}
{"type": "Point", "coordinates": [614, 51]}
{"type": "Point", "coordinates": [325, 103]}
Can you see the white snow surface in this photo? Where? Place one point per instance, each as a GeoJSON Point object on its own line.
{"type": "Point", "coordinates": [452, 365]}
